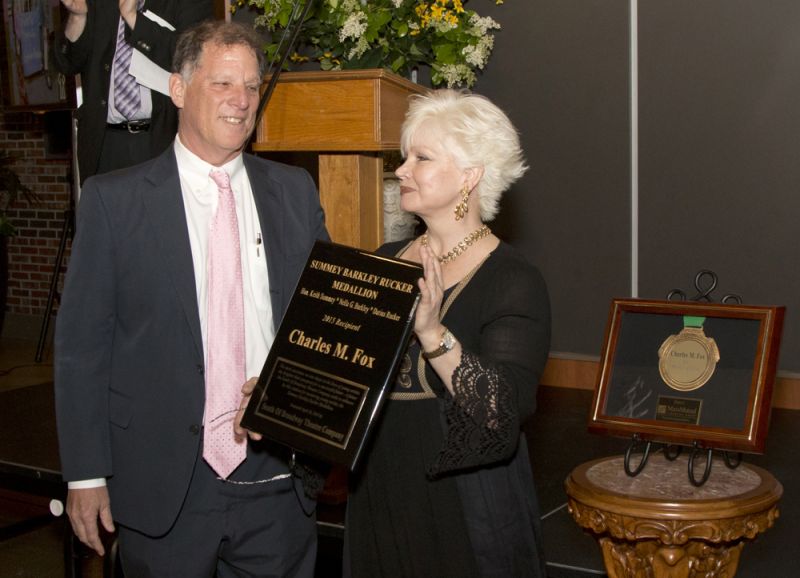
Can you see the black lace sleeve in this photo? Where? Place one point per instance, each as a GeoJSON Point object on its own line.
{"type": "Point", "coordinates": [496, 380]}
{"type": "Point", "coordinates": [482, 420]}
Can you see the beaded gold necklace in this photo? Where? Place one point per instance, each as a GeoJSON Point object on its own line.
{"type": "Point", "coordinates": [462, 246]}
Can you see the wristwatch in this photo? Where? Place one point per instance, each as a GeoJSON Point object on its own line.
{"type": "Point", "coordinates": [447, 343]}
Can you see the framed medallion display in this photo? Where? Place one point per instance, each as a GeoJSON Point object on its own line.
{"type": "Point", "coordinates": [688, 372]}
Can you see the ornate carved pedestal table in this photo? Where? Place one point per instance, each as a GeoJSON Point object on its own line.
{"type": "Point", "coordinates": [658, 525]}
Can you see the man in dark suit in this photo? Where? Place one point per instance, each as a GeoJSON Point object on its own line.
{"type": "Point", "coordinates": [134, 346]}
{"type": "Point", "coordinates": [110, 138]}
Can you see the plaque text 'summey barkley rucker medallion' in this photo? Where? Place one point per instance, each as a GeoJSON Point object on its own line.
{"type": "Point", "coordinates": [336, 352]}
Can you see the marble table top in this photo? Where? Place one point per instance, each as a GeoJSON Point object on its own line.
{"type": "Point", "coordinates": [662, 479]}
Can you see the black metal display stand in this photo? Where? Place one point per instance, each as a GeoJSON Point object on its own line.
{"type": "Point", "coordinates": [671, 453]}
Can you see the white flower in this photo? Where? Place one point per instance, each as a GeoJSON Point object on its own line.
{"type": "Point", "coordinates": [442, 25]}
{"type": "Point", "coordinates": [478, 55]}
{"type": "Point", "coordinates": [483, 23]}
{"type": "Point", "coordinates": [455, 74]}
{"type": "Point", "coordinates": [354, 27]}
{"type": "Point", "coordinates": [397, 3]}
{"type": "Point", "coordinates": [270, 10]}
{"type": "Point", "coordinates": [360, 48]}
{"type": "Point", "coordinates": [349, 5]}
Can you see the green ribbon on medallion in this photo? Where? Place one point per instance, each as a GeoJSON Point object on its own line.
{"type": "Point", "coordinates": [693, 321]}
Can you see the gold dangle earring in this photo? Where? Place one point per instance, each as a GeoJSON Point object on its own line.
{"type": "Point", "coordinates": [462, 208]}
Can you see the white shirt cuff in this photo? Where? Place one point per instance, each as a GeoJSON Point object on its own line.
{"type": "Point", "coordinates": [85, 484]}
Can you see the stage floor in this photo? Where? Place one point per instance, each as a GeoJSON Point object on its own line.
{"type": "Point", "coordinates": [31, 543]}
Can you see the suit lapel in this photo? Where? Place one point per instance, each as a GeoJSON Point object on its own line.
{"type": "Point", "coordinates": [163, 202]}
{"type": "Point", "coordinates": [267, 195]}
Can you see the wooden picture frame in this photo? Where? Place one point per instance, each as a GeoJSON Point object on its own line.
{"type": "Point", "coordinates": [30, 81]}
{"type": "Point", "coordinates": [688, 373]}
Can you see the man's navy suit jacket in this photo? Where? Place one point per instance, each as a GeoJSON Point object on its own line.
{"type": "Point", "coordinates": [129, 356]}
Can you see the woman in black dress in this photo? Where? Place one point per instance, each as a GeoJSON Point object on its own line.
{"type": "Point", "coordinates": [446, 488]}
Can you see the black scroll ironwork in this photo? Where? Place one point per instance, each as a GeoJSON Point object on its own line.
{"type": "Point", "coordinates": [636, 441]}
{"type": "Point", "coordinates": [696, 451]}
{"type": "Point", "coordinates": [704, 283]}
{"type": "Point", "coordinates": [672, 451]}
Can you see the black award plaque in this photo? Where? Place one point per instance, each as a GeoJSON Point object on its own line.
{"type": "Point", "coordinates": [336, 353]}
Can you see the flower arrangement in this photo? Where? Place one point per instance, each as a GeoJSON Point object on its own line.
{"type": "Point", "coordinates": [400, 35]}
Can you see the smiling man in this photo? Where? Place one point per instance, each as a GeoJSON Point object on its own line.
{"type": "Point", "coordinates": [180, 269]}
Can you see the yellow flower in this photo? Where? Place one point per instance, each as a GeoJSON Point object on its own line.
{"type": "Point", "coordinates": [422, 12]}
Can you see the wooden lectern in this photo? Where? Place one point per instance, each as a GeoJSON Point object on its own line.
{"type": "Point", "coordinates": [348, 117]}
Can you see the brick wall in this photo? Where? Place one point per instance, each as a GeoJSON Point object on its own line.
{"type": "Point", "coordinates": [33, 251]}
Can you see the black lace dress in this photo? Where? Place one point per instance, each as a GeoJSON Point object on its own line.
{"type": "Point", "coordinates": [446, 488]}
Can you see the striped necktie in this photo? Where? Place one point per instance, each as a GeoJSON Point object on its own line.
{"type": "Point", "coordinates": [126, 90]}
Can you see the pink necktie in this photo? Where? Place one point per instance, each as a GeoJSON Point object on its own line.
{"type": "Point", "coordinates": [225, 373]}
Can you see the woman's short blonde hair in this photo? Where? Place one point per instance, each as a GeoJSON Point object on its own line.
{"type": "Point", "coordinates": [477, 134]}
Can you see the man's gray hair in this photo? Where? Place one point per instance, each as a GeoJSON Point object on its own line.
{"type": "Point", "coordinates": [191, 43]}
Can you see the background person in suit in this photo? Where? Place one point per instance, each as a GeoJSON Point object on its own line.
{"type": "Point", "coordinates": [112, 134]}
{"type": "Point", "coordinates": [136, 344]}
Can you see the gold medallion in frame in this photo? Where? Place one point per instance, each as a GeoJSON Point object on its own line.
{"type": "Point", "coordinates": [688, 360]}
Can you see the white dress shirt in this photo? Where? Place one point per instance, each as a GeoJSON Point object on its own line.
{"type": "Point", "coordinates": [200, 196]}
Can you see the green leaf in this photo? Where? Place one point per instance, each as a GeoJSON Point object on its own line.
{"type": "Point", "coordinates": [416, 52]}
{"type": "Point", "coordinates": [398, 63]}
{"type": "Point", "coordinates": [371, 59]}
{"type": "Point", "coordinates": [400, 27]}
{"type": "Point", "coordinates": [445, 53]}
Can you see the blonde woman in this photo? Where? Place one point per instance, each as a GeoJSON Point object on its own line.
{"type": "Point", "coordinates": [446, 489]}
